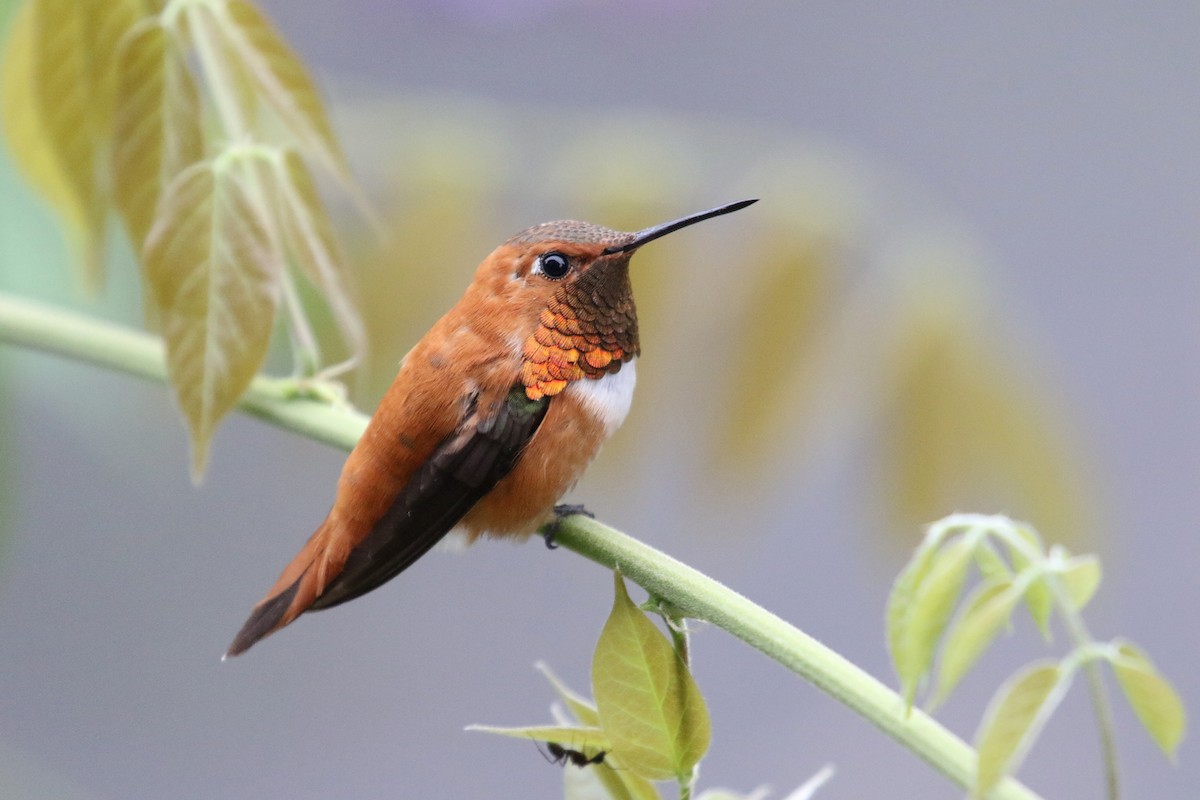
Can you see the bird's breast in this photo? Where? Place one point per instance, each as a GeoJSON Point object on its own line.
{"type": "Point", "coordinates": [607, 397]}
{"type": "Point", "coordinates": [577, 423]}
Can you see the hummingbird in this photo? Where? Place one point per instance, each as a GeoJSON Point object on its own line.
{"type": "Point", "coordinates": [493, 416]}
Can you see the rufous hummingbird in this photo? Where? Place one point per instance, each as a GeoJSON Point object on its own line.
{"type": "Point", "coordinates": [493, 416]}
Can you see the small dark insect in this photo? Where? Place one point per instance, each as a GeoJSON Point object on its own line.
{"type": "Point", "coordinates": [565, 755]}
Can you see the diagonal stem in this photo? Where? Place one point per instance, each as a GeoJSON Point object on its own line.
{"type": "Point", "coordinates": [32, 325]}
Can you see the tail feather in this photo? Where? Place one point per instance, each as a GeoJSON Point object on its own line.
{"type": "Point", "coordinates": [267, 617]}
{"type": "Point", "coordinates": [302, 582]}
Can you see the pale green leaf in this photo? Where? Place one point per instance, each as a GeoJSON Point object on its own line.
{"type": "Point", "coordinates": [607, 780]}
{"type": "Point", "coordinates": [214, 279]}
{"type": "Point", "coordinates": [584, 739]}
{"type": "Point", "coordinates": [898, 606]}
{"type": "Point", "coordinates": [988, 609]}
{"type": "Point", "coordinates": [915, 634]}
{"type": "Point", "coordinates": [1038, 597]}
{"type": "Point", "coordinates": [760, 793]}
{"type": "Point", "coordinates": [1081, 578]}
{"type": "Point", "coordinates": [585, 784]}
{"type": "Point", "coordinates": [1152, 697]}
{"type": "Point", "coordinates": [283, 81]}
{"type": "Point", "coordinates": [992, 565]}
{"type": "Point", "coordinates": [648, 703]}
{"type": "Point", "coordinates": [809, 789]}
{"type": "Point", "coordinates": [107, 23]}
{"type": "Point", "coordinates": [312, 244]}
{"type": "Point", "coordinates": [157, 123]}
{"type": "Point", "coordinates": [582, 708]}
{"type": "Point", "coordinates": [1013, 721]}
{"type": "Point", "coordinates": [45, 88]}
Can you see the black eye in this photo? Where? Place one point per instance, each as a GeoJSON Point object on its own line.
{"type": "Point", "coordinates": [554, 265]}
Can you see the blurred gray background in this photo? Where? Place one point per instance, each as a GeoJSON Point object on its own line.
{"type": "Point", "coordinates": [1055, 144]}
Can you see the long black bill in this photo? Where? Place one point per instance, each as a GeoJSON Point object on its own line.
{"type": "Point", "coordinates": [650, 234]}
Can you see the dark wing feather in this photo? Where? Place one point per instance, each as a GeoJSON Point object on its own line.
{"type": "Point", "coordinates": [460, 471]}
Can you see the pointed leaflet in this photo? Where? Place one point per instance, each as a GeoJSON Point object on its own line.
{"type": "Point", "coordinates": [988, 609]}
{"type": "Point", "coordinates": [621, 784]}
{"type": "Point", "coordinates": [47, 89]}
{"type": "Point", "coordinates": [649, 705]}
{"type": "Point", "coordinates": [589, 740]}
{"type": "Point", "coordinates": [108, 21]}
{"type": "Point", "coordinates": [157, 125]}
{"type": "Point", "coordinates": [1081, 578]}
{"type": "Point", "coordinates": [991, 565]}
{"type": "Point", "coordinates": [313, 246]}
{"type": "Point", "coordinates": [900, 598]}
{"type": "Point", "coordinates": [1038, 597]}
{"type": "Point", "coordinates": [1013, 720]}
{"type": "Point", "coordinates": [283, 81]}
{"type": "Point", "coordinates": [914, 629]}
{"type": "Point", "coordinates": [215, 282]}
{"type": "Point", "coordinates": [579, 706]}
{"type": "Point", "coordinates": [1154, 700]}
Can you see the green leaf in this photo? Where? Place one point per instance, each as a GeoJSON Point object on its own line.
{"type": "Point", "coordinates": [1013, 721]}
{"type": "Point", "coordinates": [988, 609]}
{"type": "Point", "coordinates": [914, 630]}
{"type": "Point", "coordinates": [1154, 700]}
{"type": "Point", "coordinates": [214, 277]}
{"type": "Point", "coordinates": [282, 81]}
{"type": "Point", "coordinates": [1081, 578]}
{"type": "Point", "coordinates": [157, 123]}
{"type": "Point", "coordinates": [583, 709]}
{"type": "Point", "coordinates": [1038, 597]}
{"type": "Point", "coordinates": [648, 703]}
{"type": "Point", "coordinates": [585, 740]}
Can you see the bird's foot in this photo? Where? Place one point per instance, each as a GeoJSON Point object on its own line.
{"type": "Point", "coordinates": [561, 512]}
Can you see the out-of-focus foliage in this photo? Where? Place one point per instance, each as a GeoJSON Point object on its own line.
{"type": "Point", "coordinates": [793, 335]}
{"type": "Point", "coordinates": [1014, 565]}
{"type": "Point", "coordinates": [790, 332]}
{"type": "Point", "coordinates": [103, 110]}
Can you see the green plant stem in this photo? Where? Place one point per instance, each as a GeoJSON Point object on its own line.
{"type": "Point", "coordinates": [701, 597]}
{"type": "Point", "coordinates": [281, 402]}
{"type": "Point", "coordinates": [32, 325]}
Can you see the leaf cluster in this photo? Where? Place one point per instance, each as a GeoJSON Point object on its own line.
{"type": "Point", "coordinates": [1015, 569]}
{"type": "Point", "coordinates": [648, 722]}
{"type": "Point", "coordinates": [195, 123]}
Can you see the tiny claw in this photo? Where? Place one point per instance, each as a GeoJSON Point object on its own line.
{"type": "Point", "coordinates": [561, 512]}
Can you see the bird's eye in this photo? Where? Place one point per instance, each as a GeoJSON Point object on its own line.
{"type": "Point", "coordinates": [553, 265]}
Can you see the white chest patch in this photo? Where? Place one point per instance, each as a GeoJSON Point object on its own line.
{"type": "Point", "coordinates": [609, 397]}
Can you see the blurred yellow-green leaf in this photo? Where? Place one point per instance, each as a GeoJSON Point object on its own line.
{"type": "Point", "coordinates": [1152, 697]}
{"type": "Point", "coordinates": [48, 88]}
{"type": "Point", "coordinates": [649, 705]}
{"type": "Point", "coordinates": [1038, 597]}
{"type": "Point", "coordinates": [1012, 722]}
{"type": "Point", "coordinates": [772, 378]}
{"type": "Point", "coordinates": [215, 276]}
{"type": "Point", "coordinates": [158, 130]}
{"type": "Point", "coordinates": [283, 81]}
{"type": "Point", "coordinates": [966, 424]}
{"type": "Point", "coordinates": [932, 592]}
{"type": "Point", "coordinates": [987, 610]}
{"type": "Point", "coordinates": [312, 244]}
{"type": "Point", "coordinates": [1081, 578]}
